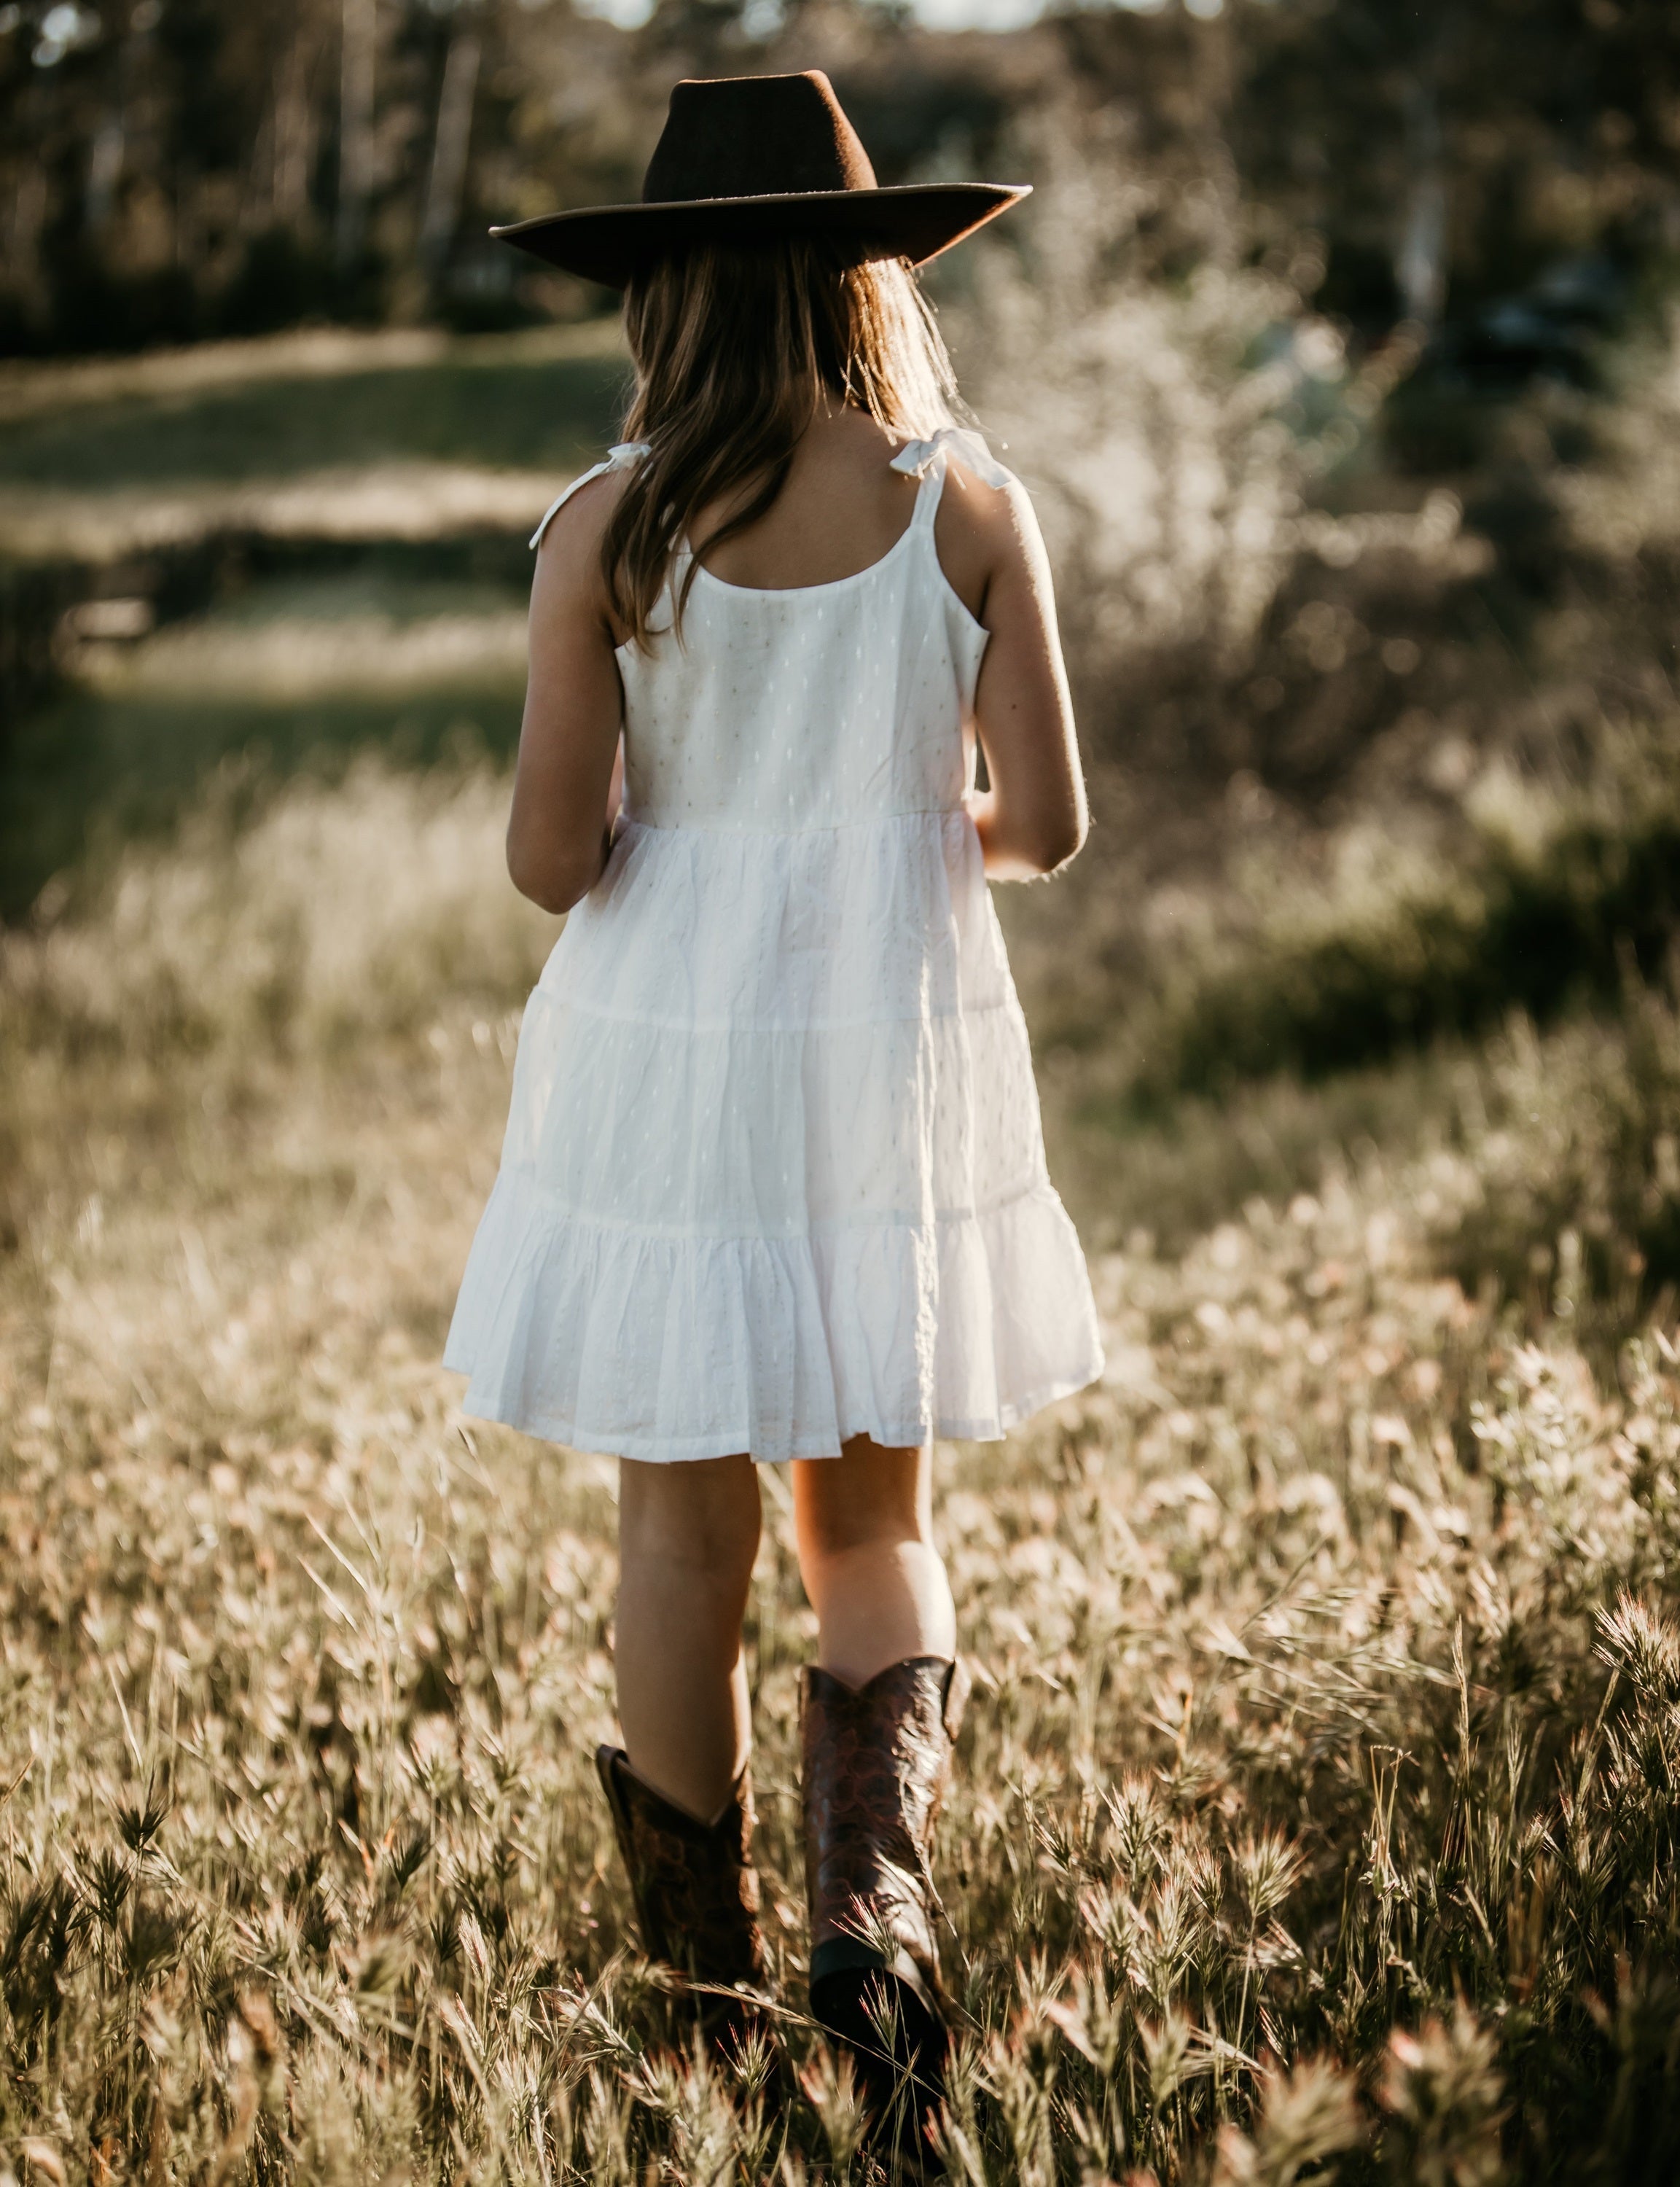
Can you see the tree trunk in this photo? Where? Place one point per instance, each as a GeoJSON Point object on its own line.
{"type": "Point", "coordinates": [449, 149]}
{"type": "Point", "coordinates": [1420, 262]}
{"type": "Point", "coordinates": [104, 168]}
{"type": "Point", "coordinates": [293, 137]}
{"type": "Point", "coordinates": [356, 128]}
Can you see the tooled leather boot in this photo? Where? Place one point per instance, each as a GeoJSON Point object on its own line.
{"type": "Point", "coordinates": [696, 1894]}
{"type": "Point", "coordinates": [876, 1765]}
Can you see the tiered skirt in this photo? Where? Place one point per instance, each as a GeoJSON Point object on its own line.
{"type": "Point", "coordinates": [773, 1174]}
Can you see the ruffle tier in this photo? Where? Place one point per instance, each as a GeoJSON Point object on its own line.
{"type": "Point", "coordinates": [647, 1345]}
{"type": "Point", "coordinates": [692, 927]}
{"type": "Point", "coordinates": [751, 1130]}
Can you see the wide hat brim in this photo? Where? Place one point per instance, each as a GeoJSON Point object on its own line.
{"type": "Point", "coordinates": [610, 244]}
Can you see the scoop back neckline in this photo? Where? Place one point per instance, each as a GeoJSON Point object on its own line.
{"type": "Point", "coordinates": [798, 592]}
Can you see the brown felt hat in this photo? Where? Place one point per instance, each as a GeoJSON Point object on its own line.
{"type": "Point", "coordinates": [743, 158]}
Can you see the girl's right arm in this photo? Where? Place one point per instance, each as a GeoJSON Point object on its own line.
{"type": "Point", "coordinates": [1032, 819]}
{"type": "Point", "coordinates": [574, 707]}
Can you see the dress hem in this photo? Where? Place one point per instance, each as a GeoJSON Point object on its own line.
{"type": "Point", "coordinates": [677, 1450]}
{"type": "Point", "coordinates": [807, 1340]}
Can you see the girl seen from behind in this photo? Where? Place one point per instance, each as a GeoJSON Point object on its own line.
{"type": "Point", "coordinates": [773, 1189]}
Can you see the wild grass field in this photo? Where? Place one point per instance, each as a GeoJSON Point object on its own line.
{"type": "Point", "coordinates": [1315, 1814]}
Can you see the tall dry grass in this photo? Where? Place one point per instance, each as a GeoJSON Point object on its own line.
{"type": "Point", "coordinates": [1315, 1815]}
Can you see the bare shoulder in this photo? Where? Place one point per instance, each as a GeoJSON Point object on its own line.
{"type": "Point", "coordinates": [569, 581]}
{"type": "Point", "coordinates": [573, 534]}
{"type": "Point", "coordinates": [1002, 512]}
{"type": "Point", "coordinates": [983, 532]}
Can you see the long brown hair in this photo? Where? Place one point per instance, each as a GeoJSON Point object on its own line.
{"type": "Point", "coordinates": [734, 347]}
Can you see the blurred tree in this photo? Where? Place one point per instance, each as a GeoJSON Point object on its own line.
{"type": "Point", "coordinates": [171, 168]}
{"type": "Point", "coordinates": [1454, 154]}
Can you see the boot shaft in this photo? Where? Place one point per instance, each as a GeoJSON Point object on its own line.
{"type": "Point", "coordinates": [877, 1763]}
{"type": "Point", "coordinates": [694, 1885]}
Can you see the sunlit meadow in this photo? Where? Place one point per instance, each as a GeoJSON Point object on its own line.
{"type": "Point", "coordinates": [1315, 1812]}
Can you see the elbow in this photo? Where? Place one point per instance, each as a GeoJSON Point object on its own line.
{"type": "Point", "coordinates": [553, 885]}
{"type": "Point", "coordinates": [556, 902]}
{"type": "Point", "coordinates": [1057, 844]}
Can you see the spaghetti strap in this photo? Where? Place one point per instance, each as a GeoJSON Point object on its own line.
{"type": "Point", "coordinates": [619, 459]}
{"type": "Point", "coordinates": [927, 460]}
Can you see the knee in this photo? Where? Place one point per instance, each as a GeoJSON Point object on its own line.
{"type": "Point", "coordinates": [873, 1501]}
{"type": "Point", "coordinates": [828, 1533]}
{"type": "Point", "coordinates": [688, 1518]}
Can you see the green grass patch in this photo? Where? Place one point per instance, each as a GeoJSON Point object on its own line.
{"type": "Point", "coordinates": [1333, 983]}
{"type": "Point", "coordinates": [88, 775]}
{"type": "Point", "coordinates": [519, 413]}
{"type": "Point", "coordinates": [1178, 1174]}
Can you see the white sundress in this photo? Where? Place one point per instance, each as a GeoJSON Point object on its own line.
{"type": "Point", "coordinates": [773, 1174]}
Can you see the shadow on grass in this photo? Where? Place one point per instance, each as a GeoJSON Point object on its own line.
{"type": "Point", "coordinates": [1541, 928]}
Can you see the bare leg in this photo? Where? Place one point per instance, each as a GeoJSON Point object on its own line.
{"type": "Point", "coordinates": [864, 1523]}
{"type": "Point", "coordinates": [688, 1537]}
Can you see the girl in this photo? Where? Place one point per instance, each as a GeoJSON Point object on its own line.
{"type": "Point", "coordinates": [773, 1189]}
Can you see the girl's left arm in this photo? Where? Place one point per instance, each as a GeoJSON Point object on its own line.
{"type": "Point", "coordinates": [567, 776]}
{"type": "Point", "coordinates": [1033, 818]}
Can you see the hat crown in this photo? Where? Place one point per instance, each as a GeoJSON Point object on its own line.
{"type": "Point", "coordinates": [755, 136]}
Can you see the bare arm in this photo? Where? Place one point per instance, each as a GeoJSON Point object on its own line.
{"type": "Point", "coordinates": [1032, 819]}
{"type": "Point", "coordinates": [566, 783]}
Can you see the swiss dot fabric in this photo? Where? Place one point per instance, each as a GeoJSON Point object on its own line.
{"type": "Point", "coordinates": [773, 1174]}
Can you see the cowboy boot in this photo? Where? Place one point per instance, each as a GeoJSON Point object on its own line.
{"type": "Point", "coordinates": [876, 1765]}
{"type": "Point", "coordinates": [696, 1894]}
